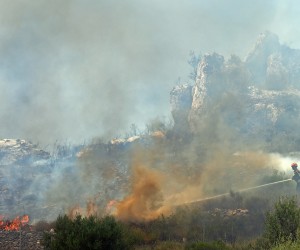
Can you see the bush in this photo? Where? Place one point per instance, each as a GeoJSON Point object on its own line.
{"type": "Point", "coordinates": [166, 245]}
{"type": "Point", "coordinates": [207, 246]}
{"type": "Point", "coordinates": [282, 224]}
{"type": "Point", "coordinates": [288, 245]}
{"type": "Point", "coordinates": [86, 233]}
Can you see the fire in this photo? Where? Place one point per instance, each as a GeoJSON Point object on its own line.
{"type": "Point", "coordinates": [15, 224]}
{"type": "Point", "coordinates": [111, 206]}
{"type": "Point", "coordinates": [145, 202]}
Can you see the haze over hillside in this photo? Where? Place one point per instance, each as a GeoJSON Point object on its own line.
{"type": "Point", "coordinates": [179, 118]}
{"type": "Point", "coordinates": [104, 65]}
{"type": "Point", "coordinates": [253, 102]}
{"type": "Point", "coordinates": [233, 125]}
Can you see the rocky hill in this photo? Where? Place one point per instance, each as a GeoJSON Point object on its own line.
{"type": "Point", "coordinates": [254, 99]}
{"type": "Point", "coordinates": [233, 103]}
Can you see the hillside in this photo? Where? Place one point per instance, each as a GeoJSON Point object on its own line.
{"type": "Point", "coordinates": [232, 128]}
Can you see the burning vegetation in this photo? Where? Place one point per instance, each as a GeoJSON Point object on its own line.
{"type": "Point", "coordinates": [15, 224]}
{"type": "Point", "coordinates": [186, 180]}
{"type": "Point", "coordinates": [145, 201]}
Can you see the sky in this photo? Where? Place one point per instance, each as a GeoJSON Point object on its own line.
{"type": "Point", "coordinates": [82, 69]}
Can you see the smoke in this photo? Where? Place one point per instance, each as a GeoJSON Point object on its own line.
{"type": "Point", "coordinates": [155, 192]}
{"type": "Point", "coordinates": [284, 161]}
{"type": "Point", "coordinates": [146, 179]}
{"type": "Point", "coordinates": [76, 70]}
{"type": "Point", "coordinates": [145, 201]}
{"type": "Point", "coordinates": [100, 64]}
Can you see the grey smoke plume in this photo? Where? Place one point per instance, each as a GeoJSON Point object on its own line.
{"type": "Point", "coordinates": [78, 69]}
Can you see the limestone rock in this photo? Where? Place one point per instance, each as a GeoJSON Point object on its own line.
{"type": "Point", "coordinates": [253, 99]}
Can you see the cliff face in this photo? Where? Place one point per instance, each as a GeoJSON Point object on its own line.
{"type": "Point", "coordinates": [255, 98]}
{"type": "Point", "coordinates": [181, 100]}
{"type": "Point", "coordinates": [272, 65]}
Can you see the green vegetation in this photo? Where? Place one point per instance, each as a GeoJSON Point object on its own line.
{"type": "Point", "coordinates": [282, 226]}
{"type": "Point", "coordinates": [207, 246]}
{"type": "Point", "coordinates": [290, 245]}
{"type": "Point", "coordinates": [282, 223]}
{"type": "Point", "coordinates": [87, 233]}
{"type": "Point", "coordinates": [190, 228]}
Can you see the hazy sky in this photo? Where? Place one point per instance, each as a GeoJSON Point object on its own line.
{"type": "Point", "coordinates": [73, 70]}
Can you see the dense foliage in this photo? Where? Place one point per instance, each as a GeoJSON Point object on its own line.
{"type": "Point", "coordinates": [207, 246]}
{"type": "Point", "coordinates": [282, 223]}
{"type": "Point", "coordinates": [187, 228]}
{"type": "Point", "coordinates": [86, 233]}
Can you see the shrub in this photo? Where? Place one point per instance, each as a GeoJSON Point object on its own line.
{"type": "Point", "coordinates": [288, 245]}
{"type": "Point", "coordinates": [281, 224]}
{"type": "Point", "coordinates": [207, 246]}
{"type": "Point", "coordinates": [86, 233]}
{"type": "Point", "coordinates": [166, 245]}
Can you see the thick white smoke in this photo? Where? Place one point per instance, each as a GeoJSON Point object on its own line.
{"type": "Point", "coordinates": [103, 65]}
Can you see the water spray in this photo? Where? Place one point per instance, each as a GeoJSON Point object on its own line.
{"type": "Point", "coordinates": [239, 191]}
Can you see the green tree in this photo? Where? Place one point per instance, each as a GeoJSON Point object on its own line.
{"type": "Point", "coordinates": [283, 222]}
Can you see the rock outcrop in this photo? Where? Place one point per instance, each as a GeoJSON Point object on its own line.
{"type": "Point", "coordinates": [181, 101]}
{"type": "Point", "coordinates": [258, 98]}
{"type": "Point", "coordinates": [14, 151]}
{"type": "Point", "coordinates": [272, 65]}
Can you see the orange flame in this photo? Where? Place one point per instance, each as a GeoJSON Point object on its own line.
{"type": "Point", "coordinates": [15, 224]}
{"type": "Point", "coordinates": [111, 206]}
{"type": "Point", "coordinates": [24, 220]}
